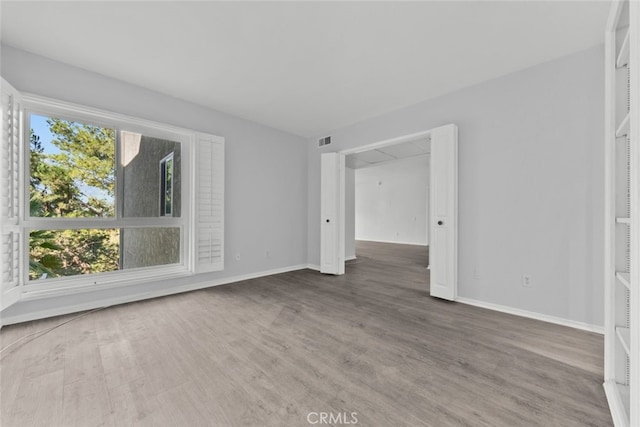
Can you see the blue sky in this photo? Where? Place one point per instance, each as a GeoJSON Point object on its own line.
{"type": "Point", "coordinates": [41, 128]}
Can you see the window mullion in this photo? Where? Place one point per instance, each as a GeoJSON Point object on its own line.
{"type": "Point", "coordinates": [100, 223]}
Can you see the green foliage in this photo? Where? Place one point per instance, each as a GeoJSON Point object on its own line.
{"type": "Point", "coordinates": [78, 181]}
{"type": "Point", "coordinates": [87, 251]}
{"type": "Point", "coordinates": [41, 242]}
{"type": "Point", "coordinates": [87, 153]}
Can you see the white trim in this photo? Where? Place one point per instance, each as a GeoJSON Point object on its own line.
{"type": "Point", "coordinates": [609, 158]}
{"type": "Point", "coordinates": [74, 285]}
{"type": "Point", "coordinates": [163, 185]}
{"type": "Point", "coordinates": [387, 142]}
{"type": "Point", "coordinates": [614, 16]}
{"type": "Point", "coordinates": [391, 241]}
{"type": "Point", "coordinates": [634, 267]}
{"type": "Point", "coordinates": [426, 134]}
{"type": "Point", "coordinates": [616, 407]}
{"type": "Point", "coordinates": [350, 258]}
{"type": "Point", "coordinates": [59, 311]}
{"type": "Point", "coordinates": [386, 162]}
{"type": "Point", "coordinates": [105, 118]}
{"type": "Point", "coordinates": [532, 315]}
{"type": "Point", "coordinates": [61, 223]}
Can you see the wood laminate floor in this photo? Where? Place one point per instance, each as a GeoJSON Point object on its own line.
{"type": "Point", "coordinates": [269, 351]}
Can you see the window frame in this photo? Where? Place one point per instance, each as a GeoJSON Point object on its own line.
{"type": "Point", "coordinates": [163, 185]}
{"type": "Point", "coordinates": [34, 104]}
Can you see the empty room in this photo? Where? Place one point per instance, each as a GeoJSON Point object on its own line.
{"type": "Point", "coordinates": [312, 213]}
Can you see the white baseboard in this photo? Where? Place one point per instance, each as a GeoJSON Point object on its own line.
{"type": "Point", "coordinates": [316, 267]}
{"type": "Point", "coordinates": [59, 311]}
{"type": "Point", "coordinates": [393, 241]}
{"type": "Point", "coordinates": [533, 315]}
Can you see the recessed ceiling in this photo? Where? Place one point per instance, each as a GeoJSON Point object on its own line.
{"type": "Point", "coordinates": [378, 156]}
{"type": "Point", "coordinates": [303, 67]}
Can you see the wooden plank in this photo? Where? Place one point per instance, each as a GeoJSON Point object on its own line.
{"type": "Point", "coordinates": [86, 402]}
{"type": "Point", "coordinates": [39, 401]}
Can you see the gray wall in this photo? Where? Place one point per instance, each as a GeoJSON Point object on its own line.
{"type": "Point", "coordinates": [266, 171]}
{"type": "Point", "coordinates": [530, 183]}
{"type": "Point", "coordinates": [141, 178]}
{"type": "Point", "coordinates": [146, 247]}
{"type": "Point", "coordinates": [531, 191]}
{"type": "Point", "coordinates": [391, 201]}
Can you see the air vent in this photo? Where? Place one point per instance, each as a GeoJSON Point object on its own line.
{"type": "Point", "coordinates": [324, 141]}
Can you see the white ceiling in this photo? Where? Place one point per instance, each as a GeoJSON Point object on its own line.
{"type": "Point", "coordinates": [303, 67]}
{"type": "Point", "coordinates": [403, 150]}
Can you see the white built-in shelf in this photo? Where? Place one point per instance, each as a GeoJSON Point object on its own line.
{"type": "Point", "coordinates": [625, 338]}
{"type": "Point", "coordinates": [625, 396]}
{"type": "Point", "coordinates": [623, 129]}
{"type": "Point", "coordinates": [625, 279]}
{"type": "Point", "coordinates": [623, 55]}
{"type": "Point", "coordinates": [622, 323]}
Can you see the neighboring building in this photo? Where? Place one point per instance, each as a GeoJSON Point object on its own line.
{"type": "Point", "coordinates": [151, 172]}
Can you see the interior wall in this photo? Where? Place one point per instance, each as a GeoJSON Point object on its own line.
{"type": "Point", "coordinates": [530, 184]}
{"type": "Point", "coordinates": [265, 182]}
{"type": "Point", "coordinates": [391, 201]}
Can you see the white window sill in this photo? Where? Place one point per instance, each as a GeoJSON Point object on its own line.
{"type": "Point", "coordinates": [76, 285]}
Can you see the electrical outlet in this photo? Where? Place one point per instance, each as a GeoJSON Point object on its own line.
{"type": "Point", "coordinates": [237, 257]}
{"type": "Point", "coordinates": [527, 281]}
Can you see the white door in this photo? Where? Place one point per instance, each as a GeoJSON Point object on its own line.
{"type": "Point", "coordinates": [443, 204]}
{"type": "Point", "coordinates": [332, 201]}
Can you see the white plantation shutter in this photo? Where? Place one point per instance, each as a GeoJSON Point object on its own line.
{"type": "Point", "coordinates": [10, 161]}
{"type": "Point", "coordinates": [209, 227]}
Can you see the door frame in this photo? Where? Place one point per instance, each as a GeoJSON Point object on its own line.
{"type": "Point", "coordinates": [405, 138]}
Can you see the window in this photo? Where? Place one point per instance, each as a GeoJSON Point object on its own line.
{"type": "Point", "coordinates": [108, 199]}
{"type": "Point", "coordinates": [72, 175]}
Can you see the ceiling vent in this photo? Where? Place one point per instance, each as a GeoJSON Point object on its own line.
{"type": "Point", "coordinates": [324, 141]}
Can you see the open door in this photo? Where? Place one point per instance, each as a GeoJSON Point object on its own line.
{"type": "Point", "coordinates": [332, 200]}
{"type": "Point", "coordinates": [10, 160]}
{"type": "Point", "coordinates": [443, 202]}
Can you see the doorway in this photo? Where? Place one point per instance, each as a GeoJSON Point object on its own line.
{"type": "Point", "coordinates": [443, 214]}
{"type": "Point", "coordinates": [386, 192]}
